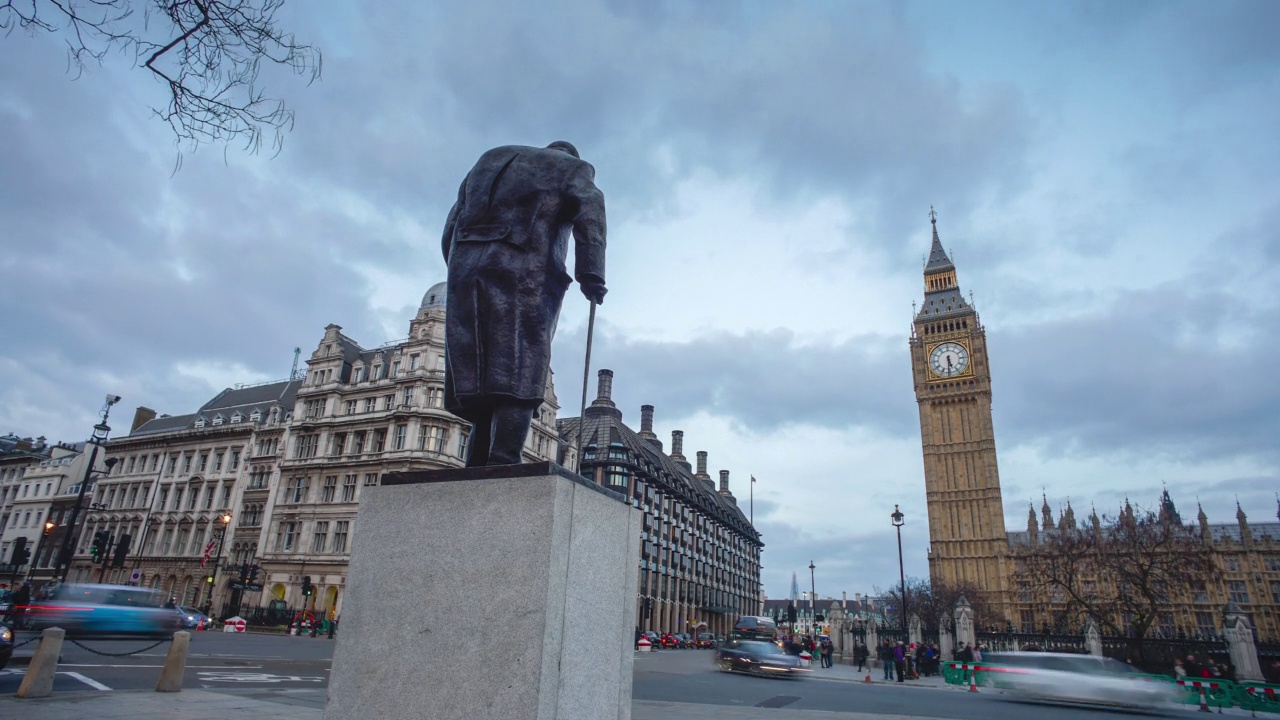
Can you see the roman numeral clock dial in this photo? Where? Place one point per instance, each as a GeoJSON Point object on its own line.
{"type": "Point", "coordinates": [948, 359]}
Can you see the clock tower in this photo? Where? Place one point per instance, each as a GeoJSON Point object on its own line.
{"type": "Point", "coordinates": [952, 378]}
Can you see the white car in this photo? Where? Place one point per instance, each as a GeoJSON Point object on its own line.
{"type": "Point", "coordinates": [1065, 677]}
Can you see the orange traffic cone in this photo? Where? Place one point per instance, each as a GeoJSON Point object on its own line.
{"type": "Point", "coordinates": [200, 624]}
{"type": "Point", "coordinates": [867, 679]}
{"type": "Point", "coordinates": [973, 680]}
{"type": "Point", "coordinates": [1204, 702]}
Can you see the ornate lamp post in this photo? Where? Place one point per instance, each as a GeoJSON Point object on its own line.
{"type": "Point", "coordinates": [225, 519]}
{"type": "Point", "coordinates": [100, 432]}
{"type": "Point", "coordinates": [898, 521]}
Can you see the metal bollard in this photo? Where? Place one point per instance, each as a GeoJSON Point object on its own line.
{"type": "Point", "coordinates": [175, 663]}
{"type": "Point", "coordinates": [38, 682]}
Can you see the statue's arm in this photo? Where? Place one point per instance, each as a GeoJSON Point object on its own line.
{"type": "Point", "coordinates": [452, 221]}
{"type": "Point", "coordinates": [589, 228]}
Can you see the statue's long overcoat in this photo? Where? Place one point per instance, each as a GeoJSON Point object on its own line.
{"type": "Point", "coordinates": [505, 242]}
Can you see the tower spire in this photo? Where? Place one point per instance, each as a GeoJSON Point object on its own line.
{"type": "Point", "coordinates": [938, 260]}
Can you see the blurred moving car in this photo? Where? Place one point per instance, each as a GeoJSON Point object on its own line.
{"type": "Point", "coordinates": [87, 610]}
{"type": "Point", "coordinates": [751, 627]}
{"type": "Point", "coordinates": [684, 640]}
{"type": "Point", "coordinates": [192, 617]}
{"type": "Point", "coordinates": [758, 657]}
{"type": "Point", "coordinates": [1066, 677]}
{"type": "Point", "coordinates": [6, 645]}
{"type": "Point", "coordinates": [705, 640]}
{"type": "Point", "coordinates": [654, 638]}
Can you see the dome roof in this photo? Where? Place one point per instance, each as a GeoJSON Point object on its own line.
{"type": "Point", "coordinates": [434, 297]}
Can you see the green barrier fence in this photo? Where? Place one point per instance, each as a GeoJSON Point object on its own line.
{"type": "Point", "coordinates": [1217, 693]}
{"type": "Point", "coordinates": [1258, 697]}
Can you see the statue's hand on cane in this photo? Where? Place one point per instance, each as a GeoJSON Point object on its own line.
{"type": "Point", "coordinates": [594, 291]}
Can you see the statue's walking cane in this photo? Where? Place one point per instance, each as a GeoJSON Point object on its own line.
{"type": "Point", "coordinates": [586, 374]}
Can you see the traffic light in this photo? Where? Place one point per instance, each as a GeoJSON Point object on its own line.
{"type": "Point", "coordinates": [253, 573]}
{"type": "Point", "coordinates": [20, 554]}
{"type": "Point", "coordinates": [791, 614]}
{"type": "Point", "coordinates": [306, 586]}
{"type": "Point", "coordinates": [99, 546]}
{"type": "Point", "coordinates": [122, 551]}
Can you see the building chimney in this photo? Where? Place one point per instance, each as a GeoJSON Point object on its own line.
{"type": "Point", "coordinates": [677, 445]}
{"type": "Point", "coordinates": [646, 419]}
{"type": "Point", "coordinates": [702, 464]}
{"type": "Point", "coordinates": [604, 389]}
{"type": "Point", "coordinates": [142, 416]}
{"type": "Point", "coordinates": [724, 482]}
{"type": "Point", "coordinates": [603, 404]}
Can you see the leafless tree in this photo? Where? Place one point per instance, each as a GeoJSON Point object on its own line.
{"type": "Point", "coordinates": [208, 53]}
{"type": "Point", "coordinates": [932, 601]}
{"type": "Point", "coordinates": [1122, 571]}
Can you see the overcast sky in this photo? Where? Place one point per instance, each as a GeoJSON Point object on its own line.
{"type": "Point", "coordinates": [1105, 177]}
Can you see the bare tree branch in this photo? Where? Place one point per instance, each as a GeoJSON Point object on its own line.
{"type": "Point", "coordinates": [209, 54]}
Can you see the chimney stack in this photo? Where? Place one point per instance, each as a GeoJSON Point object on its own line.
{"type": "Point", "coordinates": [702, 463]}
{"type": "Point", "coordinates": [142, 416]}
{"type": "Point", "coordinates": [646, 419]}
{"type": "Point", "coordinates": [724, 482]}
{"type": "Point", "coordinates": [603, 404]}
{"type": "Point", "coordinates": [677, 444]}
{"type": "Point", "coordinates": [604, 389]}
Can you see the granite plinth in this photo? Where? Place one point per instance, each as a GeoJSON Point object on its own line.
{"type": "Point", "coordinates": [471, 596]}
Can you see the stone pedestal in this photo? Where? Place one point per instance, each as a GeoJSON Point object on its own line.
{"type": "Point", "coordinates": [505, 592]}
{"type": "Point", "coordinates": [946, 644]}
{"type": "Point", "coordinates": [915, 630]}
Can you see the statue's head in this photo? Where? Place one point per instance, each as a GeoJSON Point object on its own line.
{"type": "Point", "coordinates": [565, 146]}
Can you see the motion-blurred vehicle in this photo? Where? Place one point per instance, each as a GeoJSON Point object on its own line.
{"type": "Point", "coordinates": [751, 627]}
{"type": "Point", "coordinates": [705, 640]}
{"type": "Point", "coordinates": [6, 601]}
{"type": "Point", "coordinates": [1085, 679]}
{"type": "Point", "coordinates": [86, 610]}
{"type": "Point", "coordinates": [684, 640]}
{"type": "Point", "coordinates": [6, 645]}
{"type": "Point", "coordinates": [758, 657]}
{"type": "Point", "coordinates": [192, 617]}
{"type": "Point", "coordinates": [654, 638]}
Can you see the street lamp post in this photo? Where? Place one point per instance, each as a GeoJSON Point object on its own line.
{"type": "Point", "coordinates": [225, 519]}
{"type": "Point", "coordinates": [813, 602]}
{"type": "Point", "coordinates": [100, 432]}
{"type": "Point", "coordinates": [49, 525]}
{"type": "Point", "coordinates": [898, 521]}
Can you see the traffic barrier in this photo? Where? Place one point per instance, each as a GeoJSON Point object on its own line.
{"type": "Point", "coordinates": [38, 680]}
{"type": "Point", "coordinates": [175, 663]}
{"type": "Point", "coordinates": [644, 644]}
{"type": "Point", "coordinates": [1209, 693]}
{"type": "Point", "coordinates": [1258, 697]}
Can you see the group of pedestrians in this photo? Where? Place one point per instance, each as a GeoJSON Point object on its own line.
{"type": "Point", "coordinates": [1193, 668]}
{"type": "Point", "coordinates": [820, 648]}
{"type": "Point", "coordinates": [905, 661]}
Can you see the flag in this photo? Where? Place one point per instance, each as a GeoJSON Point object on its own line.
{"type": "Point", "coordinates": [753, 478]}
{"type": "Point", "coordinates": [208, 551]}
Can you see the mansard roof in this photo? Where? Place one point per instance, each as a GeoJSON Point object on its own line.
{"type": "Point", "coordinates": [604, 427]}
{"type": "Point", "coordinates": [227, 403]}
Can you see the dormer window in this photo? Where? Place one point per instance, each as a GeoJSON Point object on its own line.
{"type": "Point", "coordinates": [217, 420]}
{"type": "Point", "coordinates": [236, 418]}
{"type": "Point", "coordinates": [199, 423]}
{"type": "Point", "coordinates": [255, 416]}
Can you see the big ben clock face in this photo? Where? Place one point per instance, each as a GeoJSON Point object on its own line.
{"type": "Point", "coordinates": [948, 359]}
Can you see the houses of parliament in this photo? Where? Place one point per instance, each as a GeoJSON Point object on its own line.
{"type": "Point", "coordinates": [969, 545]}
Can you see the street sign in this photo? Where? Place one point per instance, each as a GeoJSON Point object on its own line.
{"type": "Point", "coordinates": [251, 587]}
{"type": "Point", "coordinates": [136, 575]}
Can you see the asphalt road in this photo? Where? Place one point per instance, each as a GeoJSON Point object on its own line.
{"type": "Point", "coordinates": [296, 670]}
{"type": "Point", "coordinates": [216, 661]}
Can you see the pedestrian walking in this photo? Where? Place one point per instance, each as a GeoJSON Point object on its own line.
{"type": "Point", "coordinates": [827, 650]}
{"type": "Point", "coordinates": [885, 654]}
{"type": "Point", "coordinates": [900, 660]}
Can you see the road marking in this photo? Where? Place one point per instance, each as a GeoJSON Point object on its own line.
{"type": "Point", "coordinates": [246, 677]}
{"type": "Point", "coordinates": [87, 681]}
{"type": "Point", "coordinates": [211, 667]}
